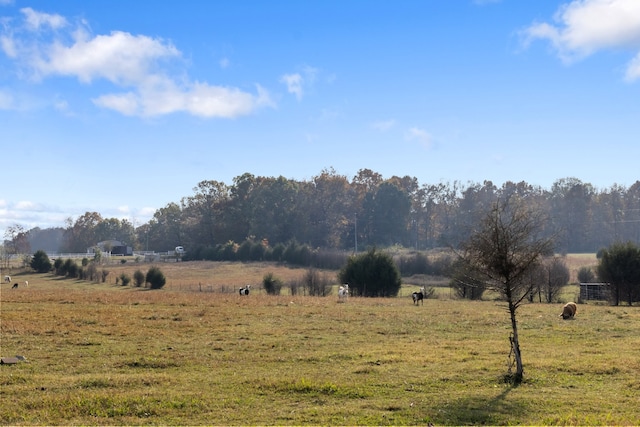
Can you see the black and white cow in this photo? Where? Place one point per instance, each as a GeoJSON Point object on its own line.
{"type": "Point", "coordinates": [419, 296]}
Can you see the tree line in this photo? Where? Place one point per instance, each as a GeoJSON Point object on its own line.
{"type": "Point", "coordinates": [334, 212]}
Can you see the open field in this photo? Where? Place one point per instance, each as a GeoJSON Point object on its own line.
{"type": "Point", "coordinates": [107, 354]}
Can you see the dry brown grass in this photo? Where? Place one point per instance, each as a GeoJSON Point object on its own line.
{"type": "Point", "coordinates": [577, 261]}
{"type": "Point", "coordinates": [105, 354]}
{"type": "Point", "coordinates": [214, 276]}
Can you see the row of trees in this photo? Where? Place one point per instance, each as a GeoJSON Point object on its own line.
{"type": "Point", "coordinates": [331, 211]}
{"type": "Point", "coordinates": [88, 270]}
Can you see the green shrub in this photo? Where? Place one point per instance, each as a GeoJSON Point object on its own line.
{"type": "Point", "coordinates": [372, 274]}
{"type": "Point", "coordinates": [40, 262]}
{"type": "Point", "coordinates": [271, 284]}
{"type": "Point", "coordinates": [124, 279]}
{"type": "Point", "coordinates": [155, 278]}
{"type": "Point", "coordinates": [138, 278]}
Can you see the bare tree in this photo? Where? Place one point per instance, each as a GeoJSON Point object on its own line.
{"type": "Point", "coordinates": [556, 277]}
{"type": "Point", "coordinates": [504, 249]}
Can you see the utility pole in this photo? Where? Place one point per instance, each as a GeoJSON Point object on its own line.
{"type": "Point", "coordinates": [355, 231]}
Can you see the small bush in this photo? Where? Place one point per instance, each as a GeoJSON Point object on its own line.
{"type": "Point", "coordinates": [316, 285]}
{"type": "Point", "coordinates": [155, 278]}
{"type": "Point", "coordinates": [71, 268]}
{"type": "Point", "coordinates": [92, 273]}
{"type": "Point", "coordinates": [586, 275]}
{"type": "Point", "coordinates": [138, 278]}
{"type": "Point", "coordinates": [271, 284]}
{"type": "Point", "coordinates": [125, 279]}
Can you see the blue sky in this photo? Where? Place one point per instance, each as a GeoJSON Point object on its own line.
{"type": "Point", "coordinates": [121, 107]}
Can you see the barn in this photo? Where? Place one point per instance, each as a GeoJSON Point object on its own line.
{"type": "Point", "coordinates": [113, 247]}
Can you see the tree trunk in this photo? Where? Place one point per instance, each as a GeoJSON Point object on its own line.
{"type": "Point", "coordinates": [515, 345]}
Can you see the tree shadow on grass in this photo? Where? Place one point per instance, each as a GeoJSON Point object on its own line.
{"type": "Point", "coordinates": [480, 410]}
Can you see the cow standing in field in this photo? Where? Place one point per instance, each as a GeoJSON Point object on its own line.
{"type": "Point", "coordinates": [419, 296]}
{"type": "Point", "coordinates": [343, 292]}
{"type": "Point", "coordinates": [245, 290]}
{"type": "Point", "coordinates": [7, 279]}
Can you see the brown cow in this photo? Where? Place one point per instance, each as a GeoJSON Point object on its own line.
{"type": "Point", "coordinates": [569, 310]}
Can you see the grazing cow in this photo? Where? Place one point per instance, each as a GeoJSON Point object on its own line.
{"type": "Point", "coordinates": [7, 279]}
{"type": "Point", "coordinates": [245, 290]}
{"type": "Point", "coordinates": [569, 310]}
{"type": "Point", "coordinates": [419, 296]}
{"type": "Point", "coordinates": [343, 292]}
{"type": "Point", "coordinates": [15, 286]}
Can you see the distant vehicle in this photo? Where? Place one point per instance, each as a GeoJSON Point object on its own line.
{"type": "Point", "coordinates": [179, 250]}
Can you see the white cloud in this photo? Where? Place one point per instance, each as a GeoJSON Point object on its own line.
{"type": "Point", "coordinates": [6, 101]}
{"type": "Point", "coordinates": [136, 63]}
{"type": "Point", "coordinates": [29, 214]}
{"type": "Point", "coordinates": [198, 99]}
{"type": "Point", "coordinates": [126, 103]}
{"type": "Point", "coordinates": [584, 27]}
{"type": "Point", "coordinates": [25, 205]}
{"type": "Point", "coordinates": [633, 69]}
{"type": "Point", "coordinates": [36, 20]}
{"type": "Point", "coordinates": [384, 126]}
{"type": "Point", "coordinates": [420, 135]}
{"type": "Point", "coordinates": [299, 83]}
{"type": "Point", "coordinates": [311, 137]}
{"type": "Point", "coordinates": [294, 84]}
{"type": "Point", "coordinates": [8, 46]}
{"type": "Point", "coordinates": [124, 209]}
{"type": "Point", "coordinates": [119, 57]}
{"type": "Point", "coordinates": [147, 212]}
{"type": "Point", "coordinates": [61, 105]}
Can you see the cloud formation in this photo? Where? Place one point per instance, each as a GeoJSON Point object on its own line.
{"type": "Point", "coordinates": [30, 214]}
{"type": "Point", "coordinates": [420, 135]}
{"type": "Point", "coordinates": [383, 125]}
{"type": "Point", "coordinates": [298, 83]}
{"type": "Point", "coordinates": [47, 45]}
{"type": "Point", "coordinates": [583, 27]}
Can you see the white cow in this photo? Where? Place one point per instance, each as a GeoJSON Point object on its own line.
{"type": "Point", "coordinates": [343, 292]}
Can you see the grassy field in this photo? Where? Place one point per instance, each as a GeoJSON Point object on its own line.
{"type": "Point", "coordinates": [107, 354]}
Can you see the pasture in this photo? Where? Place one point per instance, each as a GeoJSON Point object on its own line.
{"type": "Point", "coordinates": [107, 354]}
